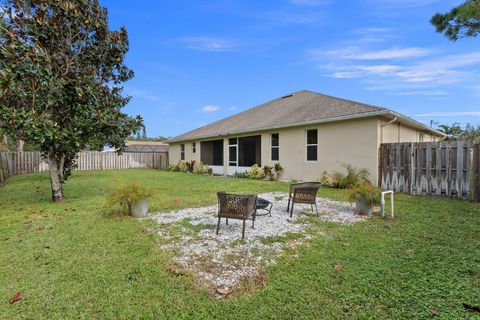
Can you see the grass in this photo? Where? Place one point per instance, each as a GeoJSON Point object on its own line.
{"type": "Point", "coordinates": [71, 261]}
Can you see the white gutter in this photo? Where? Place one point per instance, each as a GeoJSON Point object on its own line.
{"type": "Point", "coordinates": [384, 125]}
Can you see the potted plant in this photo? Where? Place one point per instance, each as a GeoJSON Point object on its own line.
{"type": "Point", "coordinates": [366, 196]}
{"type": "Point", "coordinates": [131, 198]}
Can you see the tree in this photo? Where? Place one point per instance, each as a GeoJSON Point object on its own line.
{"type": "Point", "coordinates": [461, 21]}
{"type": "Point", "coordinates": [456, 132]}
{"type": "Point", "coordinates": [145, 138]}
{"type": "Point", "coordinates": [61, 71]}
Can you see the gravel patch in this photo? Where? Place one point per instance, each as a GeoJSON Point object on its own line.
{"type": "Point", "coordinates": [222, 262]}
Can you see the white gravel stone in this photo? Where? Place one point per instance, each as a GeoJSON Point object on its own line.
{"type": "Point", "coordinates": [223, 261]}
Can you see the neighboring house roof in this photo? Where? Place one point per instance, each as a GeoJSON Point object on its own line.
{"type": "Point", "coordinates": [299, 108]}
{"type": "Point", "coordinates": [146, 146]}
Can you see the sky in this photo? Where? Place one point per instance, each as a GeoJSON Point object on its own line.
{"type": "Point", "coordinates": [199, 61]}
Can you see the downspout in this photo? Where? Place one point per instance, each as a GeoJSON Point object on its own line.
{"type": "Point", "coordinates": [384, 125]}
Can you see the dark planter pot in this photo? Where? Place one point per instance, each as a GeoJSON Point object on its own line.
{"type": "Point", "coordinates": [362, 207]}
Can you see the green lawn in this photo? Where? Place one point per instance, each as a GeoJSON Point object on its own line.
{"type": "Point", "coordinates": [71, 261]}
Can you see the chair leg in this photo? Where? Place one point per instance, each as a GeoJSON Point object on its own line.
{"type": "Point", "coordinates": [311, 205]}
{"type": "Point", "coordinates": [270, 210]}
{"type": "Point", "coordinates": [243, 231]}
{"type": "Point", "coordinates": [288, 206]}
{"type": "Point", "coordinates": [227, 221]}
{"type": "Point", "coordinates": [316, 209]}
{"type": "Point", "coordinates": [291, 212]}
{"type": "Point", "coordinates": [218, 225]}
{"type": "Point", "coordinates": [253, 219]}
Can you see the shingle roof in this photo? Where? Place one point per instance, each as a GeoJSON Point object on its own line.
{"type": "Point", "coordinates": [291, 110]}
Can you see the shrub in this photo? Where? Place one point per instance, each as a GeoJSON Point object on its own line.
{"type": "Point", "coordinates": [268, 173]}
{"type": "Point", "coordinates": [278, 171]}
{"type": "Point", "coordinates": [190, 165]}
{"type": "Point", "coordinates": [241, 175]}
{"type": "Point", "coordinates": [125, 195]}
{"type": "Point", "coordinates": [256, 172]}
{"type": "Point", "coordinates": [351, 179]}
{"type": "Point", "coordinates": [200, 168]}
{"type": "Point", "coordinates": [366, 191]}
{"type": "Point", "coordinates": [179, 167]}
{"type": "Point", "coordinates": [325, 179]}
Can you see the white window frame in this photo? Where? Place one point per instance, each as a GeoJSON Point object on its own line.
{"type": "Point", "coordinates": [310, 145]}
{"type": "Point", "coordinates": [421, 137]}
{"type": "Point", "coordinates": [236, 154]}
{"type": "Point", "coordinates": [182, 152]}
{"type": "Point", "coordinates": [272, 146]}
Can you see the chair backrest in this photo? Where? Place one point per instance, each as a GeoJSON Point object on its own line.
{"type": "Point", "coordinates": [305, 192]}
{"type": "Point", "coordinates": [236, 205]}
{"type": "Point", "coordinates": [303, 185]}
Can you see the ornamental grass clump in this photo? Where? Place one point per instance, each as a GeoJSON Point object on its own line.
{"type": "Point", "coordinates": [351, 179]}
{"type": "Point", "coordinates": [126, 196]}
{"type": "Point", "coordinates": [366, 196]}
{"type": "Point", "coordinates": [366, 192]}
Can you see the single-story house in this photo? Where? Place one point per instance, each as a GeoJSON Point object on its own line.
{"type": "Point", "coordinates": [306, 132]}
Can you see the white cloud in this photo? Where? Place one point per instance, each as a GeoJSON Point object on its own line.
{"type": "Point", "coordinates": [372, 34]}
{"type": "Point", "coordinates": [355, 53]}
{"type": "Point", "coordinates": [450, 114]}
{"type": "Point", "coordinates": [435, 93]}
{"type": "Point", "coordinates": [210, 108]}
{"type": "Point", "coordinates": [432, 73]}
{"type": "Point", "coordinates": [207, 44]}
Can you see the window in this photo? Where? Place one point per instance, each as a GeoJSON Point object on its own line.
{"type": "Point", "coordinates": [233, 152]}
{"type": "Point", "coordinates": [420, 137]}
{"type": "Point", "coordinates": [194, 147]}
{"type": "Point", "coordinates": [312, 145]}
{"type": "Point", "coordinates": [275, 146]}
{"type": "Point", "coordinates": [182, 152]}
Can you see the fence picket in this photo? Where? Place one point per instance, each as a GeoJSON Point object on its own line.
{"type": "Point", "coordinates": [476, 172]}
{"type": "Point", "coordinates": [433, 168]}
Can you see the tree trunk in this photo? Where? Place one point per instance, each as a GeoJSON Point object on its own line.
{"type": "Point", "coordinates": [55, 166]}
{"type": "Point", "coordinates": [19, 146]}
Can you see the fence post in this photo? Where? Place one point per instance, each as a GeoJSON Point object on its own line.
{"type": "Point", "coordinates": [476, 172]}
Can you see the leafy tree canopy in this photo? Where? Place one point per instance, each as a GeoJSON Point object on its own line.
{"type": "Point", "coordinates": [457, 132]}
{"type": "Point", "coordinates": [61, 71]}
{"type": "Point", "coordinates": [142, 138]}
{"type": "Point", "coordinates": [461, 21]}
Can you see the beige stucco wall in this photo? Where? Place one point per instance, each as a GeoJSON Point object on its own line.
{"type": "Point", "coordinates": [399, 132]}
{"type": "Point", "coordinates": [174, 152]}
{"type": "Point", "coordinates": [355, 142]}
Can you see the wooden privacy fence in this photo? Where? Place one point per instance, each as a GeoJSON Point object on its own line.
{"type": "Point", "coordinates": [476, 172]}
{"type": "Point", "coordinates": [32, 162]}
{"type": "Point", "coordinates": [449, 169]}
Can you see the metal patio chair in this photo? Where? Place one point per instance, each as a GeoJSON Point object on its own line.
{"type": "Point", "coordinates": [236, 206]}
{"type": "Point", "coordinates": [303, 192]}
